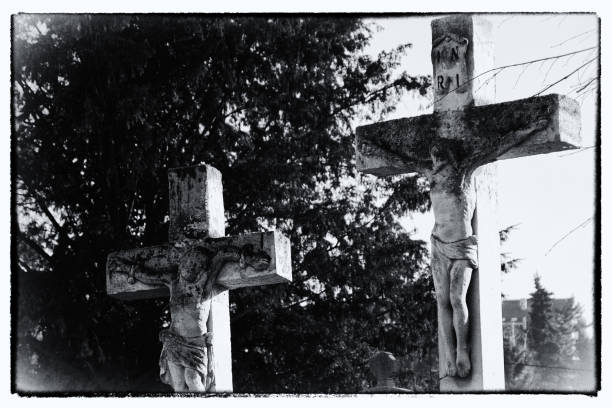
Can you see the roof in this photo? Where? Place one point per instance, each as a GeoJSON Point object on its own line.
{"type": "Point", "coordinates": [519, 308]}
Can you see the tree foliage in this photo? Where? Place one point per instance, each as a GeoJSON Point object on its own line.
{"type": "Point", "coordinates": [541, 333]}
{"type": "Point", "coordinates": [508, 262]}
{"type": "Point", "coordinates": [559, 354]}
{"type": "Point", "coordinates": [105, 104]}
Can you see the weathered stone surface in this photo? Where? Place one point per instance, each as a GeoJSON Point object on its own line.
{"type": "Point", "coordinates": [120, 264]}
{"type": "Point", "coordinates": [454, 148]}
{"type": "Point", "coordinates": [484, 296]}
{"type": "Point", "coordinates": [456, 41]}
{"type": "Point", "coordinates": [402, 145]}
{"type": "Point", "coordinates": [196, 203]}
{"type": "Point", "coordinates": [196, 269]}
{"type": "Point", "coordinates": [161, 259]}
{"type": "Point", "coordinates": [219, 324]}
{"type": "Point", "coordinates": [272, 243]}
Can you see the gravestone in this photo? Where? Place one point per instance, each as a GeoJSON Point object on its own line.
{"type": "Point", "coordinates": [455, 148]}
{"type": "Point", "coordinates": [196, 269]}
{"type": "Point", "coordinates": [385, 367]}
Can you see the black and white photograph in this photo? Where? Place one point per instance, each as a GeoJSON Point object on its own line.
{"type": "Point", "coordinates": [305, 203]}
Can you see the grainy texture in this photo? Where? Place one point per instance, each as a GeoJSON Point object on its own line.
{"type": "Point", "coordinates": [402, 145]}
{"type": "Point", "coordinates": [476, 31]}
{"type": "Point", "coordinates": [385, 367]}
{"type": "Point", "coordinates": [272, 244]}
{"type": "Point", "coordinates": [195, 269]}
{"type": "Point", "coordinates": [455, 148]}
{"type": "Point", "coordinates": [196, 203]}
{"type": "Point", "coordinates": [120, 264]}
{"type": "Point", "coordinates": [157, 260]}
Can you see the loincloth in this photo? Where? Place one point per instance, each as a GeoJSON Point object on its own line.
{"type": "Point", "coordinates": [188, 352]}
{"type": "Point", "coordinates": [465, 249]}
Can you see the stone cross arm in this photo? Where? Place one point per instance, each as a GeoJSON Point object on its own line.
{"type": "Point", "coordinates": [487, 133]}
{"type": "Point", "coordinates": [262, 258]}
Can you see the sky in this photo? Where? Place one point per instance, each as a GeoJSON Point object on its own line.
{"type": "Point", "coordinates": [547, 195]}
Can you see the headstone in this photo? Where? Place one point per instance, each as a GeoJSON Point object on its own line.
{"type": "Point", "coordinates": [385, 367]}
{"type": "Point", "coordinates": [455, 148]}
{"type": "Point", "coordinates": [196, 269]}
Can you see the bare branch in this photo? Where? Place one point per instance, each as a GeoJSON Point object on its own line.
{"type": "Point", "coordinates": [587, 84]}
{"type": "Point", "coordinates": [552, 64]}
{"type": "Point", "coordinates": [583, 149]}
{"type": "Point", "coordinates": [37, 248]}
{"type": "Point", "coordinates": [312, 296]}
{"type": "Point", "coordinates": [571, 38]}
{"type": "Point", "coordinates": [59, 228]}
{"type": "Point", "coordinates": [41, 204]}
{"type": "Point", "coordinates": [568, 234]}
{"type": "Point", "coordinates": [566, 76]}
{"type": "Point", "coordinates": [369, 97]}
{"type": "Point", "coordinates": [515, 65]}
{"type": "Point", "coordinates": [520, 75]}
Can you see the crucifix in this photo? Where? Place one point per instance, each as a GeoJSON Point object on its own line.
{"type": "Point", "coordinates": [196, 269]}
{"type": "Point", "coordinates": [455, 149]}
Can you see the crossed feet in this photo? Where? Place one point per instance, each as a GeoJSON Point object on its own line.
{"type": "Point", "coordinates": [457, 364]}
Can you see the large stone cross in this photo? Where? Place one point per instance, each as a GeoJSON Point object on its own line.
{"type": "Point", "coordinates": [455, 148]}
{"type": "Point", "coordinates": [195, 269]}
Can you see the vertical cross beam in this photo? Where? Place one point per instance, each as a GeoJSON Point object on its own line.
{"type": "Point", "coordinates": [462, 49]}
{"type": "Point", "coordinates": [453, 148]}
{"type": "Point", "coordinates": [195, 203]}
{"type": "Point", "coordinates": [197, 268]}
{"type": "Point", "coordinates": [196, 211]}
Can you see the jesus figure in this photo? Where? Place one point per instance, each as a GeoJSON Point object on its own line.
{"type": "Point", "coordinates": [454, 243]}
{"type": "Point", "coordinates": [186, 361]}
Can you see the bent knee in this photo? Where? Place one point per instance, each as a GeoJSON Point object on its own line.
{"type": "Point", "coordinates": [443, 300]}
{"type": "Point", "coordinates": [457, 300]}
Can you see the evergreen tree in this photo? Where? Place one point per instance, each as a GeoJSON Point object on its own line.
{"type": "Point", "coordinates": [508, 262]}
{"type": "Point", "coordinates": [105, 104]}
{"type": "Point", "coordinates": [541, 334]}
{"type": "Point", "coordinates": [557, 347]}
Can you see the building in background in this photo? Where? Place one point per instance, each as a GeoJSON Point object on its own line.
{"type": "Point", "coordinates": [515, 318]}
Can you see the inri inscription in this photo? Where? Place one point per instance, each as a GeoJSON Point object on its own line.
{"type": "Point", "coordinates": [448, 55]}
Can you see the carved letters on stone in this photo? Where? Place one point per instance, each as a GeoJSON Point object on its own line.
{"type": "Point", "coordinates": [448, 56]}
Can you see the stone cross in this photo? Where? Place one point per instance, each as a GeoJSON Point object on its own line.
{"type": "Point", "coordinates": [385, 366]}
{"type": "Point", "coordinates": [195, 269]}
{"type": "Point", "coordinates": [455, 148]}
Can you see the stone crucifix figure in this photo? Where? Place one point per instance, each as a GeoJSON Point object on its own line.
{"type": "Point", "coordinates": [195, 269]}
{"type": "Point", "coordinates": [454, 148]}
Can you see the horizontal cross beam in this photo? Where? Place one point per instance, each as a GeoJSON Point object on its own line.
{"type": "Point", "coordinates": [402, 145]}
{"type": "Point", "coordinates": [160, 262]}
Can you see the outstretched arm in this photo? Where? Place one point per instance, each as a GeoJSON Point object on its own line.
{"type": "Point", "coordinates": [147, 265]}
{"type": "Point", "coordinates": [221, 258]}
{"type": "Point", "coordinates": [245, 257]}
{"type": "Point", "coordinates": [493, 148]}
{"type": "Point", "coordinates": [150, 276]}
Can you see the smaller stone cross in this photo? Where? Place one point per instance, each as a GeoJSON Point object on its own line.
{"type": "Point", "coordinates": [385, 367]}
{"type": "Point", "coordinates": [196, 268]}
